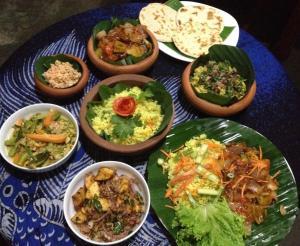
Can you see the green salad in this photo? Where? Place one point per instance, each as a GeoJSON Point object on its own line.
{"type": "Point", "coordinates": [41, 139]}
{"type": "Point", "coordinates": [202, 216]}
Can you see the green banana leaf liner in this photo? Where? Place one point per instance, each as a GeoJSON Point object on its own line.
{"type": "Point", "coordinates": [159, 94]}
{"type": "Point", "coordinates": [237, 58]}
{"type": "Point", "coordinates": [43, 63]}
{"type": "Point", "coordinates": [107, 25]}
{"type": "Point", "coordinates": [275, 226]}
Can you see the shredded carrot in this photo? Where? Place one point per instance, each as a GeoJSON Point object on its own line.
{"type": "Point", "coordinates": [183, 177]}
{"type": "Point", "coordinates": [276, 174]}
{"type": "Point", "coordinates": [48, 138]}
{"type": "Point", "coordinates": [240, 179]}
{"type": "Point", "coordinates": [168, 192]}
{"type": "Point", "coordinates": [214, 167]}
{"type": "Point", "coordinates": [185, 163]}
{"type": "Point", "coordinates": [262, 181]}
{"type": "Point", "coordinates": [213, 145]}
{"type": "Point", "coordinates": [165, 153]}
{"type": "Point", "coordinates": [243, 190]}
{"type": "Point", "coordinates": [179, 148]}
{"type": "Point", "coordinates": [260, 152]}
{"type": "Point", "coordinates": [183, 186]}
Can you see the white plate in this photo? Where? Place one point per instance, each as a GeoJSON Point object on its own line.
{"type": "Point", "coordinates": [229, 20]}
{"type": "Point", "coordinates": [78, 181]}
{"type": "Point", "coordinates": [6, 130]}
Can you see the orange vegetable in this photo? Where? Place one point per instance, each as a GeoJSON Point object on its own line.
{"type": "Point", "coordinates": [16, 158]}
{"type": "Point", "coordinates": [165, 153]}
{"type": "Point", "coordinates": [47, 138]}
{"type": "Point", "coordinates": [49, 118]}
{"type": "Point", "coordinates": [182, 177]}
{"type": "Point", "coordinates": [182, 187]}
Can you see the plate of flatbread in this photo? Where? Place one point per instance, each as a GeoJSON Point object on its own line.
{"type": "Point", "coordinates": [185, 30]}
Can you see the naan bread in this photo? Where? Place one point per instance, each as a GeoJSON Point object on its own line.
{"type": "Point", "coordinates": [195, 41]}
{"type": "Point", "coordinates": [197, 15]}
{"type": "Point", "coordinates": [160, 19]}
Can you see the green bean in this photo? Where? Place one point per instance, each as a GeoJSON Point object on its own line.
{"type": "Point", "coordinates": [23, 158]}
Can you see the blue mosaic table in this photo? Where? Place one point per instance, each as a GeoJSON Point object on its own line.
{"type": "Point", "coordinates": [31, 205]}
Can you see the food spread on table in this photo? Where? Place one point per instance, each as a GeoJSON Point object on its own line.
{"type": "Point", "coordinates": [219, 78]}
{"type": "Point", "coordinates": [108, 206]}
{"type": "Point", "coordinates": [41, 139]}
{"type": "Point", "coordinates": [217, 190]}
{"type": "Point", "coordinates": [192, 29]}
{"type": "Point", "coordinates": [129, 115]}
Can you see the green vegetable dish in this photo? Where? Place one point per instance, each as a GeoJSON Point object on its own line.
{"type": "Point", "coordinates": [130, 115]}
{"type": "Point", "coordinates": [219, 78]}
{"type": "Point", "coordinates": [41, 139]}
{"type": "Point", "coordinates": [223, 76]}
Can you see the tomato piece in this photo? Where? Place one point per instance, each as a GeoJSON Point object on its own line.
{"type": "Point", "coordinates": [124, 106]}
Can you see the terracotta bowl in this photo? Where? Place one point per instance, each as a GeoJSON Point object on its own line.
{"type": "Point", "coordinates": [65, 92]}
{"type": "Point", "coordinates": [211, 108]}
{"type": "Point", "coordinates": [133, 80]}
{"type": "Point", "coordinates": [122, 69]}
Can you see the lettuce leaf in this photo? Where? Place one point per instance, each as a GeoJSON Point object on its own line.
{"type": "Point", "coordinates": [211, 224]}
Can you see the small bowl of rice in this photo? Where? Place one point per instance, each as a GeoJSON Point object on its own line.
{"type": "Point", "coordinates": [127, 114]}
{"type": "Point", "coordinates": [61, 75]}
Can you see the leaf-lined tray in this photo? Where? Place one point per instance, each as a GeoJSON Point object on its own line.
{"type": "Point", "coordinates": [230, 33]}
{"type": "Point", "coordinates": [275, 227]}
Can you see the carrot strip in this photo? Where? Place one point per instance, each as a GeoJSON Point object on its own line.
{"type": "Point", "coordinates": [47, 138]}
{"type": "Point", "coordinates": [179, 148]}
{"type": "Point", "coordinates": [168, 192]}
{"type": "Point", "coordinates": [240, 179]}
{"type": "Point", "coordinates": [49, 118]}
{"type": "Point", "coordinates": [183, 186]}
{"type": "Point", "coordinates": [260, 152]}
{"type": "Point", "coordinates": [182, 177]}
{"type": "Point", "coordinates": [243, 190]}
{"type": "Point", "coordinates": [276, 174]}
{"type": "Point", "coordinates": [165, 153]}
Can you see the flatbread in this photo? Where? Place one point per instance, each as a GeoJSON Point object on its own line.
{"type": "Point", "coordinates": [160, 19]}
{"type": "Point", "coordinates": [197, 15]}
{"type": "Point", "coordinates": [195, 41]}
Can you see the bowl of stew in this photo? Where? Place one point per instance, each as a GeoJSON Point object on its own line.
{"type": "Point", "coordinates": [106, 203]}
{"type": "Point", "coordinates": [122, 46]}
{"type": "Point", "coordinates": [39, 137]}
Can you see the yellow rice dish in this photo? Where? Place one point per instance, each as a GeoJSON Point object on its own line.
{"type": "Point", "coordinates": [148, 114]}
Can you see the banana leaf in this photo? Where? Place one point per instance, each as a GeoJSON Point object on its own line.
{"type": "Point", "coordinates": [107, 25]}
{"type": "Point", "coordinates": [275, 227]}
{"type": "Point", "coordinates": [157, 92]}
{"type": "Point", "coordinates": [176, 4]}
{"type": "Point", "coordinates": [43, 63]}
{"type": "Point", "coordinates": [237, 58]}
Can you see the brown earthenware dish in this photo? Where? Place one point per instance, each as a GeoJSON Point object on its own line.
{"type": "Point", "coordinates": [130, 79]}
{"type": "Point", "coordinates": [211, 108]}
{"type": "Point", "coordinates": [65, 92]}
{"type": "Point", "coordinates": [122, 69]}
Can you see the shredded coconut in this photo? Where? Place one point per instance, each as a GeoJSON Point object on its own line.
{"type": "Point", "coordinates": [62, 75]}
